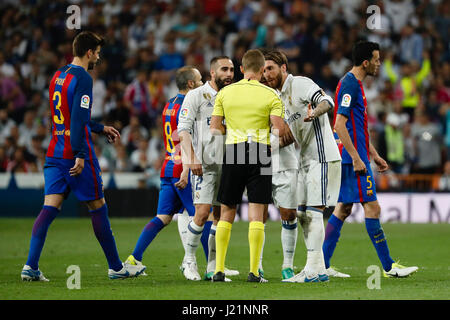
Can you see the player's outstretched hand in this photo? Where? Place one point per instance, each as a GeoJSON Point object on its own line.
{"type": "Point", "coordinates": [359, 166]}
{"type": "Point", "coordinates": [111, 133]}
{"type": "Point", "coordinates": [77, 168]}
{"type": "Point", "coordinates": [381, 163]}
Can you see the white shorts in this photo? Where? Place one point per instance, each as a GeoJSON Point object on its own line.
{"type": "Point", "coordinates": [319, 184]}
{"type": "Point", "coordinates": [284, 193]}
{"type": "Point", "coordinates": [206, 187]}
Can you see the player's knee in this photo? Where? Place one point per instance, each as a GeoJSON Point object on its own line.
{"type": "Point", "coordinates": [54, 200]}
{"type": "Point", "coordinates": [343, 211]}
{"type": "Point", "coordinates": [288, 214]}
{"type": "Point", "coordinates": [95, 204]}
{"type": "Point", "coordinates": [165, 218]}
{"type": "Point", "coordinates": [372, 210]}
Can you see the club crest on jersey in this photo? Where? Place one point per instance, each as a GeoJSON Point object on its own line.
{"type": "Point", "coordinates": [85, 101]}
{"type": "Point", "coordinates": [346, 99]}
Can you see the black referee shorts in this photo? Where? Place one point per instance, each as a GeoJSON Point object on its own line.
{"type": "Point", "coordinates": [246, 165]}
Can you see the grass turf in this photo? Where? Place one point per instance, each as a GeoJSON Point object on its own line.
{"type": "Point", "coordinates": [72, 242]}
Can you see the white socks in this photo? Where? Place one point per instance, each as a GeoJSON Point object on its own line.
{"type": "Point", "coordinates": [183, 221]}
{"type": "Point", "coordinates": [289, 233]}
{"type": "Point", "coordinates": [193, 235]}
{"type": "Point", "coordinates": [314, 234]}
{"type": "Point", "coordinates": [211, 266]}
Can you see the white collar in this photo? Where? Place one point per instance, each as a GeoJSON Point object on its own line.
{"type": "Point", "coordinates": [287, 83]}
{"type": "Point", "coordinates": [210, 88]}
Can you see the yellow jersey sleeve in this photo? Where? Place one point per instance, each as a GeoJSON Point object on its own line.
{"type": "Point", "coordinates": [277, 107]}
{"type": "Point", "coordinates": [218, 105]}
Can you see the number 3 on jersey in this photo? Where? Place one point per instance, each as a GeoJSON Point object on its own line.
{"type": "Point", "coordinates": [56, 119]}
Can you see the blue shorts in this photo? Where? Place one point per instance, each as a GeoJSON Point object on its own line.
{"type": "Point", "coordinates": [87, 186]}
{"type": "Point", "coordinates": [173, 200]}
{"type": "Point", "coordinates": [356, 188]}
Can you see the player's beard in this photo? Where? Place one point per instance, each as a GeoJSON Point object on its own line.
{"type": "Point", "coordinates": [222, 83]}
{"type": "Point", "coordinates": [91, 65]}
{"type": "Point", "coordinates": [372, 70]}
{"type": "Point", "coordinates": [276, 82]}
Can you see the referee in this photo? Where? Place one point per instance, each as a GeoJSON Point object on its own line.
{"type": "Point", "coordinates": [249, 109]}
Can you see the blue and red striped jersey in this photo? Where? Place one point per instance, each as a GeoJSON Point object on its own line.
{"type": "Point", "coordinates": [172, 166]}
{"type": "Point", "coordinates": [351, 102]}
{"type": "Point", "coordinates": [70, 94]}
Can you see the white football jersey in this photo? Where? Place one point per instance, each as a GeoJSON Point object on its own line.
{"type": "Point", "coordinates": [315, 138]}
{"type": "Point", "coordinates": [283, 158]}
{"type": "Point", "coordinates": [195, 117]}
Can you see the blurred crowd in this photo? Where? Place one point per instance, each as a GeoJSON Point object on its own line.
{"type": "Point", "coordinates": [408, 103]}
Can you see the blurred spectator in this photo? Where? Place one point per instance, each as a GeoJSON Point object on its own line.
{"type": "Point", "coordinates": [133, 133]}
{"type": "Point", "coordinates": [137, 99]}
{"type": "Point", "coordinates": [102, 160]}
{"type": "Point", "coordinates": [394, 143]}
{"type": "Point", "coordinates": [339, 64]}
{"type": "Point", "coordinates": [13, 95]}
{"type": "Point", "coordinates": [18, 164]}
{"type": "Point", "coordinates": [98, 97]}
{"type": "Point", "coordinates": [399, 12]}
{"type": "Point", "coordinates": [27, 129]}
{"type": "Point", "coordinates": [121, 160]}
{"type": "Point", "coordinates": [327, 81]}
{"type": "Point", "coordinates": [156, 142]}
{"type": "Point", "coordinates": [444, 181]}
{"type": "Point", "coordinates": [427, 144]}
{"type": "Point", "coordinates": [153, 173]}
{"type": "Point", "coordinates": [5, 125]}
{"type": "Point", "coordinates": [411, 45]}
{"type": "Point", "coordinates": [140, 157]}
{"type": "Point", "coordinates": [6, 69]}
{"type": "Point", "coordinates": [409, 81]}
{"type": "Point", "coordinates": [170, 59]}
{"type": "Point", "coordinates": [3, 159]}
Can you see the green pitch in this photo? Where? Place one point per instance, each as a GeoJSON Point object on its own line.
{"type": "Point", "coordinates": [72, 242]}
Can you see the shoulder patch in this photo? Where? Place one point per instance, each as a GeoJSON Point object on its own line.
{"type": "Point", "coordinates": [184, 112]}
{"type": "Point", "coordinates": [346, 99]}
{"type": "Point", "coordinates": [85, 101]}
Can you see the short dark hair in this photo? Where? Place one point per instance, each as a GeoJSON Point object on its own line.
{"type": "Point", "coordinates": [217, 58]}
{"type": "Point", "coordinates": [86, 41]}
{"type": "Point", "coordinates": [253, 60]}
{"type": "Point", "coordinates": [183, 75]}
{"type": "Point", "coordinates": [363, 50]}
{"type": "Point", "coordinates": [276, 56]}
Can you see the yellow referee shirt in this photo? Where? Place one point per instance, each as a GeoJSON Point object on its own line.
{"type": "Point", "coordinates": [247, 106]}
